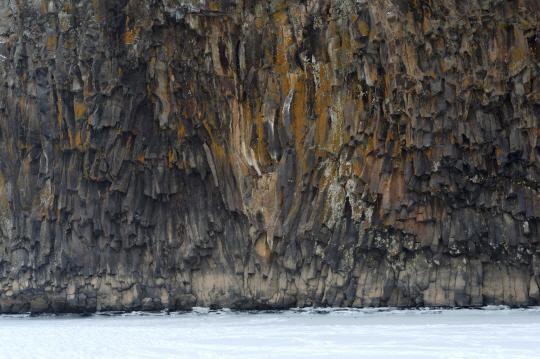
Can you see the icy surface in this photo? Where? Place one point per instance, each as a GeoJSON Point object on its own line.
{"type": "Point", "coordinates": [494, 332]}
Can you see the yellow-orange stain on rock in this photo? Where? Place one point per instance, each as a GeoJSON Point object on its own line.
{"type": "Point", "coordinates": [130, 35]}
{"type": "Point", "coordinates": [51, 44]}
{"type": "Point", "coordinates": [79, 110]}
{"type": "Point", "coordinates": [78, 139]}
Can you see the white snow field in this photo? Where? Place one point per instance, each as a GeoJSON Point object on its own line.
{"type": "Point", "coordinates": [494, 332]}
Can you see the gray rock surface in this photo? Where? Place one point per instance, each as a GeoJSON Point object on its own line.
{"type": "Point", "coordinates": [267, 154]}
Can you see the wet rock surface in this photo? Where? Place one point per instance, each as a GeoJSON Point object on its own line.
{"type": "Point", "coordinates": [268, 154]}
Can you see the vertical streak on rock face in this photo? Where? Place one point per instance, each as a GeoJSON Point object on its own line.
{"type": "Point", "coordinates": [268, 154]}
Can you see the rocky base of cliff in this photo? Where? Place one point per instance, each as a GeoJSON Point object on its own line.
{"type": "Point", "coordinates": [408, 281]}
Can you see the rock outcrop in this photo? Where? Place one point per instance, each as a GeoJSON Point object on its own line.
{"type": "Point", "coordinates": [267, 154]}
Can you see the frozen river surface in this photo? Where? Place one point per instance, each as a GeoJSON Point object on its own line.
{"type": "Point", "coordinates": [307, 333]}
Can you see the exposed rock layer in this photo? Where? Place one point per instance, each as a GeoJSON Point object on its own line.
{"type": "Point", "coordinates": [255, 154]}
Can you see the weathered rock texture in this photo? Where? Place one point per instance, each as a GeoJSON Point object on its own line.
{"type": "Point", "coordinates": [268, 153]}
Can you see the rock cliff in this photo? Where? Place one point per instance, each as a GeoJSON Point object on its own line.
{"type": "Point", "coordinates": [268, 153]}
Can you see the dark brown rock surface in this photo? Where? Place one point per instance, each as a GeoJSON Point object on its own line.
{"type": "Point", "coordinates": [268, 153]}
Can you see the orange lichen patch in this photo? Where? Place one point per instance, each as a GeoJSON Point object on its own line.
{"type": "Point", "coordinates": [299, 117]}
{"type": "Point", "coordinates": [500, 156]}
{"type": "Point", "coordinates": [44, 6]}
{"type": "Point", "coordinates": [357, 167]}
{"type": "Point", "coordinates": [516, 58]}
{"type": "Point", "coordinates": [281, 18]}
{"type": "Point", "coordinates": [141, 158]}
{"type": "Point", "coordinates": [130, 35]}
{"type": "Point", "coordinates": [214, 6]}
{"type": "Point", "coordinates": [23, 146]}
{"type": "Point", "coordinates": [220, 154]}
{"type": "Point", "coordinates": [60, 113]}
{"type": "Point", "coordinates": [171, 157]}
{"type": "Point", "coordinates": [78, 139]}
{"type": "Point", "coordinates": [51, 44]}
{"type": "Point", "coordinates": [181, 132]}
{"type": "Point", "coordinates": [86, 92]}
{"type": "Point", "coordinates": [284, 41]}
{"type": "Point", "coordinates": [70, 136]}
{"type": "Point", "coordinates": [80, 108]}
{"type": "Point", "coordinates": [96, 6]}
{"type": "Point", "coordinates": [64, 23]}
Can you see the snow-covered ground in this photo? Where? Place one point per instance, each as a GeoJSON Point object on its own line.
{"type": "Point", "coordinates": [494, 332]}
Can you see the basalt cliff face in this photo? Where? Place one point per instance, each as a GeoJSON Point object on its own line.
{"type": "Point", "coordinates": [267, 154]}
